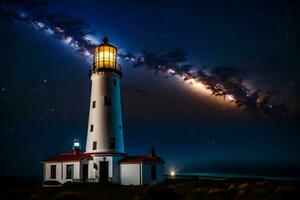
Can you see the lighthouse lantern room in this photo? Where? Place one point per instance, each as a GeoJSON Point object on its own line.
{"type": "Point", "coordinates": [104, 159]}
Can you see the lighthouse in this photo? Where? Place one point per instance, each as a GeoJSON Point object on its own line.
{"type": "Point", "coordinates": [105, 127]}
{"type": "Point", "coordinates": [104, 159]}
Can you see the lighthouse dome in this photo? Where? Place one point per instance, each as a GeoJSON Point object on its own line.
{"type": "Point", "coordinates": [105, 56]}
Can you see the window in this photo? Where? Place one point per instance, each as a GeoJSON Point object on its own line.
{"type": "Point", "coordinates": [94, 145]}
{"type": "Point", "coordinates": [69, 171]}
{"type": "Point", "coordinates": [112, 143]}
{"type": "Point", "coordinates": [105, 56]}
{"type": "Point", "coordinates": [53, 171]}
{"type": "Point", "coordinates": [94, 104]}
{"type": "Point", "coordinates": [107, 101]}
{"type": "Point", "coordinates": [115, 82]}
{"type": "Point", "coordinates": [153, 172]}
{"type": "Point", "coordinates": [92, 128]}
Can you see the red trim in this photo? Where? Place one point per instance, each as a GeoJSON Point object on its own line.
{"type": "Point", "coordinates": [108, 153]}
{"type": "Point", "coordinates": [69, 157]}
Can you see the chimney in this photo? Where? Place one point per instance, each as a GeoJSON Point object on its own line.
{"type": "Point", "coordinates": [152, 152]}
{"type": "Point", "coordinates": [76, 150]}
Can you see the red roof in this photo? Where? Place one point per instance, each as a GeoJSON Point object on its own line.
{"type": "Point", "coordinates": [65, 157]}
{"type": "Point", "coordinates": [139, 159]}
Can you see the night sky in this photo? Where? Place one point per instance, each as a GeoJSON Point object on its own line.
{"type": "Point", "coordinates": [250, 46]}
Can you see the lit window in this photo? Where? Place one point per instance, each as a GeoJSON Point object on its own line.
{"type": "Point", "coordinates": [94, 104]}
{"type": "Point", "coordinates": [53, 171]}
{"type": "Point", "coordinates": [94, 145]}
{"type": "Point", "coordinates": [69, 171]}
{"type": "Point", "coordinates": [107, 101]}
{"type": "Point", "coordinates": [92, 128]}
{"type": "Point", "coordinates": [105, 56]}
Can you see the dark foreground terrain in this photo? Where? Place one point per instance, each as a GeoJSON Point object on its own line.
{"type": "Point", "coordinates": [171, 189]}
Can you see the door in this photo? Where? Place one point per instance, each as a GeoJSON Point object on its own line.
{"type": "Point", "coordinates": [85, 170]}
{"type": "Point", "coordinates": [103, 171]}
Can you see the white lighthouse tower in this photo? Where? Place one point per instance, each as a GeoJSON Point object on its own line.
{"type": "Point", "coordinates": [105, 128]}
{"type": "Point", "coordinates": [104, 159]}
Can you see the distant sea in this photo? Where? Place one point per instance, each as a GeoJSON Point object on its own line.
{"type": "Point", "coordinates": [231, 175]}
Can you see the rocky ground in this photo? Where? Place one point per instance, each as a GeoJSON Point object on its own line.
{"type": "Point", "coordinates": [170, 189]}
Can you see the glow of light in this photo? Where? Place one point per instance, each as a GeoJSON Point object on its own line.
{"type": "Point", "coordinates": [40, 24]}
{"type": "Point", "coordinates": [50, 31]}
{"type": "Point", "coordinates": [87, 53]}
{"type": "Point", "coordinates": [91, 39]}
{"type": "Point", "coordinates": [76, 143]}
{"type": "Point", "coordinates": [172, 173]}
{"type": "Point", "coordinates": [199, 85]}
{"type": "Point", "coordinates": [230, 97]}
{"type": "Point", "coordinates": [75, 45]}
{"type": "Point", "coordinates": [59, 29]}
{"type": "Point", "coordinates": [68, 40]}
{"type": "Point", "coordinates": [171, 71]}
{"type": "Point", "coordinates": [106, 56]}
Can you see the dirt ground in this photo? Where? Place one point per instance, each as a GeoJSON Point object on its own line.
{"type": "Point", "coordinates": [170, 189]}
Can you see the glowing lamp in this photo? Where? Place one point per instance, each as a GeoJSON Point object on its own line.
{"type": "Point", "coordinates": [105, 56]}
{"type": "Point", "coordinates": [172, 174]}
{"type": "Point", "coordinates": [76, 143]}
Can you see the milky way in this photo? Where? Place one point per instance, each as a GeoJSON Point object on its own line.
{"type": "Point", "coordinates": [226, 82]}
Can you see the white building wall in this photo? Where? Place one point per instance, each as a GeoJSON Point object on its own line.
{"type": "Point", "coordinates": [47, 172]}
{"type": "Point", "coordinates": [94, 167]}
{"type": "Point", "coordinates": [113, 168]}
{"type": "Point", "coordinates": [61, 171]}
{"type": "Point", "coordinates": [106, 120]}
{"type": "Point", "coordinates": [130, 174]}
{"type": "Point", "coordinates": [140, 173]}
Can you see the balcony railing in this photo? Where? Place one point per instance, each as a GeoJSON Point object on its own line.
{"type": "Point", "coordinates": [116, 69]}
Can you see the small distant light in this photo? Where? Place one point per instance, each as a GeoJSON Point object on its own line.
{"type": "Point", "coordinates": [76, 144]}
{"type": "Point", "coordinates": [172, 173]}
